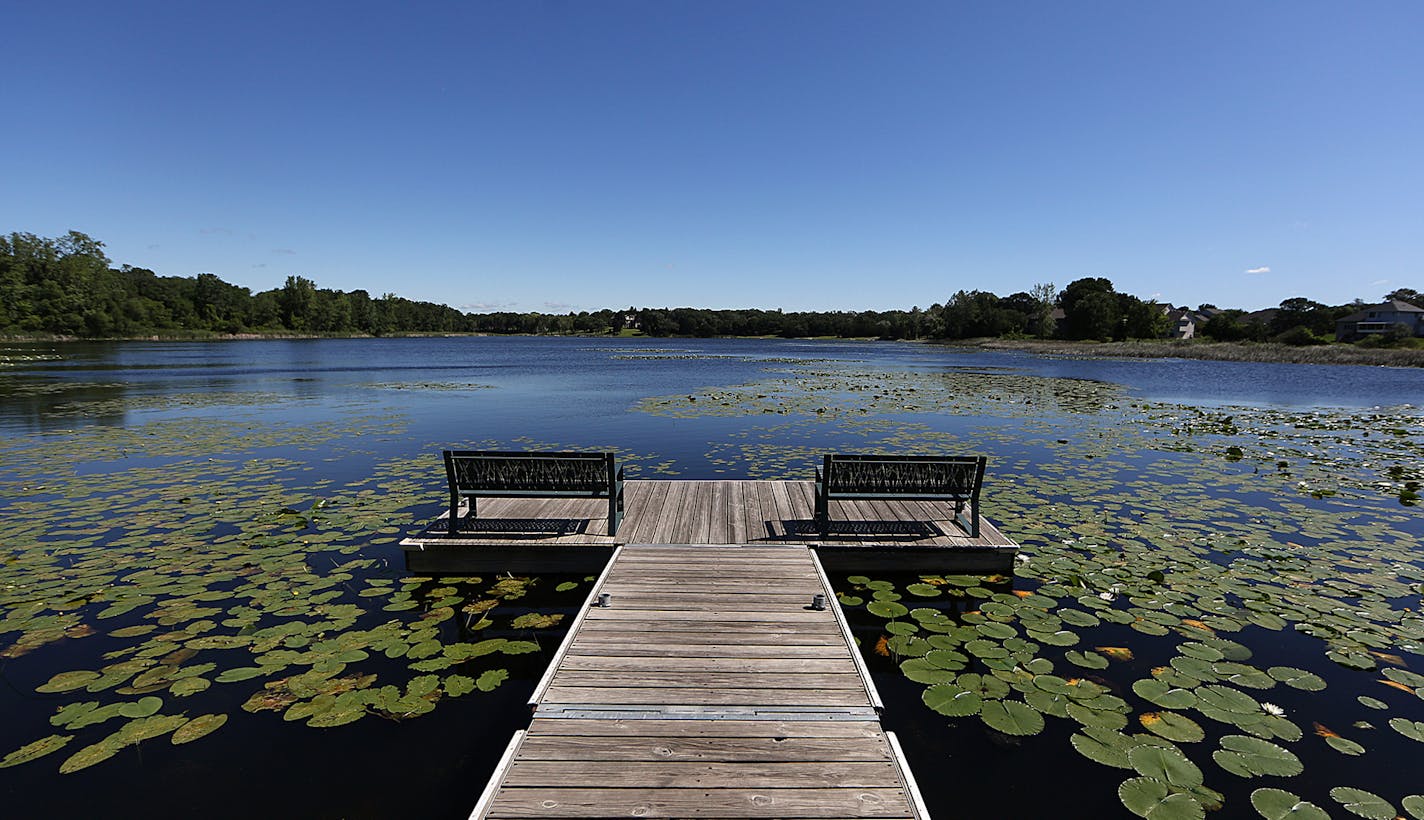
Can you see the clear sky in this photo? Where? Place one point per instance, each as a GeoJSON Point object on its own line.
{"type": "Point", "coordinates": [815, 155]}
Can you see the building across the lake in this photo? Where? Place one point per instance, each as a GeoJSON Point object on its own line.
{"type": "Point", "coordinates": [1377, 319]}
{"type": "Point", "coordinates": [1186, 322]}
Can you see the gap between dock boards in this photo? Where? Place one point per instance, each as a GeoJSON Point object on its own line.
{"type": "Point", "coordinates": [709, 686]}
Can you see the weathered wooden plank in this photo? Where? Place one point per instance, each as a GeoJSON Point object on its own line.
{"type": "Point", "coordinates": [777, 596]}
{"type": "Point", "coordinates": [666, 515]}
{"type": "Point", "coordinates": [721, 510]}
{"type": "Point", "coordinates": [846, 678]}
{"type": "Point", "coordinates": [694, 515]}
{"type": "Point", "coordinates": [706, 775]}
{"type": "Point", "coordinates": [662, 748]}
{"type": "Point", "coordinates": [786, 615]}
{"type": "Point", "coordinates": [610, 730]}
{"type": "Point", "coordinates": [710, 696]}
{"type": "Point", "coordinates": [644, 650]}
{"type": "Point", "coordinates": [747, 803]}
{"type": "Point", "coordinates": [769, 638]}
{"type": "Point", "coordinates": [784, 511]}
{"type": "Point", "coordinates": [754, 666]}
{"type": "Point", "coordinates": [655, 626]}
{"type": "Point", "coordinates": [641, 519]}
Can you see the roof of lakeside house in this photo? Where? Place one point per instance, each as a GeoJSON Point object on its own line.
{"type": "Point", "coordinates": [1391, 306]}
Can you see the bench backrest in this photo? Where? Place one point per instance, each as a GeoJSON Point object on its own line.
{"type": "Point", "coordinates": [473, 470]}
{"type": "Point", "coordinates": [958, 476]}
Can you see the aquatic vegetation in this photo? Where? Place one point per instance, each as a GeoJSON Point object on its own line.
{"type": "Point", "coordinates": [1214, 606]}
{"type": "Point", "coordinates": [200, 573]}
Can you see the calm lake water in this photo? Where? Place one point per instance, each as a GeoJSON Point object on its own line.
{"type": "Point", "coordinates": [228, 512]}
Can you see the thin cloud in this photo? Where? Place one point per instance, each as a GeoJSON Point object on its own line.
{"type": "Point", "coordinates": [486, 305]}
{"type": "Point", "coordinates": [260, 265]}
{"type": "Point", "coordinates": [1258, 271]}
{"type": "Point", "coordinates": [284, 251]}
{"type": "Point", "coordinates": [1379, 282]}
{"type": "Point", "coordinates": [560, 306]}
{"type": "Point", "coordinates": [215, 231]}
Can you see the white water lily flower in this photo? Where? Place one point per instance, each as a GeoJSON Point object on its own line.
{"type": "Point", "coordinates": [1272, 709]}
{"type": "Point", "coordinates": [1108, 596]}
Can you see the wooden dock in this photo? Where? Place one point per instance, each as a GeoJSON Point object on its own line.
{"type": "Point", "coordinates": [553, 535]}
{"type": "Point", "coordinates": [708, 687]}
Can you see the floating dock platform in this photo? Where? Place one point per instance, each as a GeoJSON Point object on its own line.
{"type": "Point", "coordinates": [571, 535]}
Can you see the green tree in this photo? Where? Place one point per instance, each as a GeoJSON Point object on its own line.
{"type": "Point", "coordinates": [1090, 309]}
{"type": "Point", "coordinates": [1409, 295]}
{"type": "Point", "coordinates": [295, 302]}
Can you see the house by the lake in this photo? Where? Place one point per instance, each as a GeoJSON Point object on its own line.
{"type": "Point", "coordinates": [1377, 319]}
{"type": "Point", "coordinates": [1186, 322]}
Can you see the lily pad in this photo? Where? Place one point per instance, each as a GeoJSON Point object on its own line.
{"type": "Point", "coordinates": [921, 670]}
{"type": "Point", "coordinates": [1172, 726]}
{"type": "Point", "coordinates": [1278, 804]}
{"type": "Point", "coordinates": [1165, 764]}
{"type": "Point", "coordinates": [1164, 695]}
{"type": "Point", "coordinates": [35, 750]}
{"type": "Point", "coordinates": [1362, 803]}
{"type": "Point", "coordinates": [887, 609]}
{"type": "Point", "coordinates": [89, 755]}
{"type": "Point", "coordinates": [1297, 678]}
{"type": "Point", "coordinates": [143, 707]}
{"type": "Point", "coordinates": [198, 727]}
{"type": "Point", "coordinates": [952, 700]}
{"type": "Point", "coordinates": [1252, 757]}
{"type": "Point", "coordinates": [491, 679]}
{"type": "Point", "coordinates": [67, 681]}
{"type": "Point", "coordinates": [1011, 717]}
{"type": "Point", "coordinates": [1345, 745]}
{"type": "Point", "coordinates": [1227, 699]}
{"type": "Point", "coordinates": [1150, 798]}
{"type": "Point", "coordinates": [1087, 659]}
{"type": "Point", "coordinates": [1412, 729]}
{"type": "Point", "coordinates": [1103, 746]}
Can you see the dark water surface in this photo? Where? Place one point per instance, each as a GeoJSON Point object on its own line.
{"type": "Point", "coordinates": [234, 494]}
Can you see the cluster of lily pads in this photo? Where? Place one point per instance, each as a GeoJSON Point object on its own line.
{"type": "Point", "coordinates": [1015, 659]}
{"type": "Point", "coordinates": [192, 575]}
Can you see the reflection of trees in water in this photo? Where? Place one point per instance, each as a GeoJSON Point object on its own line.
{"type": "Point", "coordinates": [39, 404]}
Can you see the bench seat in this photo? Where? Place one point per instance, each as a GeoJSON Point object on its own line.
{"type": "Point", "coordinates": [953, 479]}
{"type": "Point", "coordinates": [515, 474]}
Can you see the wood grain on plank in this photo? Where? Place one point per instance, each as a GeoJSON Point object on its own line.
{"type": "Point", "coordinates": [746, 803]}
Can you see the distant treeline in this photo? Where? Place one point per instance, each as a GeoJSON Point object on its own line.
{"type": "Point", "coordinates": [67, 286]}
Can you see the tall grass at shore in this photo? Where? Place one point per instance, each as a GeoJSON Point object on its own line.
{"type": "Point", "coordinates": [1216, 351]}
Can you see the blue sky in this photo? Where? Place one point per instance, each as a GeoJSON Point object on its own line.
{"type": "Point", "coordinates": [561, 156]}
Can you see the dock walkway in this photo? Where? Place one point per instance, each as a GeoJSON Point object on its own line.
{"type": "Point", "coordinates": [708, 687]}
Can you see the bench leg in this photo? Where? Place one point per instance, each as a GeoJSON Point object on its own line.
{"type": "Point", "coordinates": [615, 513]}
{"type": "Point", "coordinates": [823, 515]}
{"type": "Point", "coordinates": [969, 523]}
{"type": "Point", "coordinates": [454, 521]}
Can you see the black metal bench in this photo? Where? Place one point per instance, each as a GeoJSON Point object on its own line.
{"type": "Point", "coordinates": [955, 479]}
{"type": "Point", "coordinates": [475, 473]}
